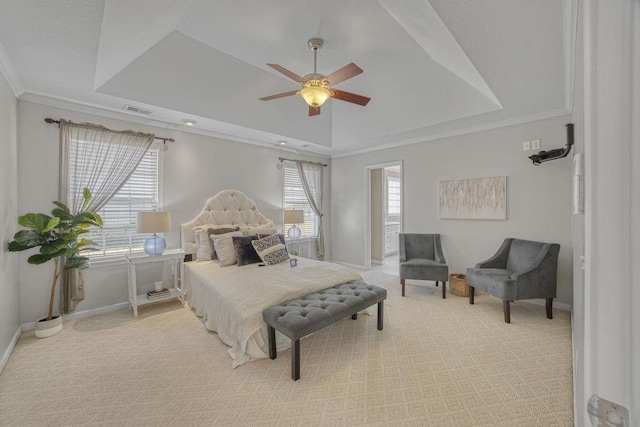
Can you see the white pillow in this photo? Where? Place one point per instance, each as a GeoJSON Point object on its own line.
{"type": "Point", "coordinates": [225, 250]}
{"type": "Point", "coordinates": [205, 250]}
{"type": "Point", "coordinates": [271, 250]}
{"type": "Point", "coordinates": [203, 246]}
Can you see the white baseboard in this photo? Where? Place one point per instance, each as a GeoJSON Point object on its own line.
{"type": "Point", "coordinates": [30, 326]}
{"type": "Point", "coordinates": [346, 264]}
{"type": "Point", "coordinates": [376, 262]}
{"type": "Point", "coordinates": [12, 345]}
{"type": "Point", "coordinates": [558, 305]}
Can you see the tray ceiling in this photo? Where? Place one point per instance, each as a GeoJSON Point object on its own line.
{"type": "Point", "coordinates": [431, 68]}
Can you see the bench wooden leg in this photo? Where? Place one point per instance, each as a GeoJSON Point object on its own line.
{"type": "Point", "coordinates": [380, 315]}
{"type": "Point", "coordinates": [295, 360]}
{"type": "Point", "coordinates": [272, 343]}
{"type": "Point", "coordinates": [507, 311]}
{"type": "Point", "coordinates": [471, 292]}
{"type": "Point", "coordinates": [402, 283]}
{"type": "Point", "coordinates": [549, 308]}
{"type": "Point", "coordinates": [354, 316]}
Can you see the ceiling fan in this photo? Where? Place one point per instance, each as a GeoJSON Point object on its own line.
{"type": "Point", "coordinates": [317, 88]}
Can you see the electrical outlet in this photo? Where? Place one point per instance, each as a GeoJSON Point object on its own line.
{"type": "Point", "coordinates": [535, 144]}
{"type": "Point", "coordinates": [526, 146]}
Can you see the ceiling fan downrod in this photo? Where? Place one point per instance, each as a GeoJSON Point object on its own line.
{"type": "Point", "coordinates": [315, 45]}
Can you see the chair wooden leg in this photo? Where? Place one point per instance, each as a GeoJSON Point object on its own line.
{"type": "Point", "coordinates": [402, 283]}
{"type": "Point", "coordinates": [436, 284]}
{"type": "Point", "coordinates": [507, 311]}
{"type": "Point", "coordinates": [471, 291]}
{"type": "Point", "coordinates": [549, 308]}
{"type": "Point", "coordinates": [444, 290]}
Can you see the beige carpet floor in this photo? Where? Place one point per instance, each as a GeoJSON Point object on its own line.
{"type": "Point", "coordinates": [436, 363]}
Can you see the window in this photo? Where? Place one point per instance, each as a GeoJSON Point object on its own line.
{"type": "Point", "coordinates": [140, 193]}
{"type": "Point", "coordinates": [294, 198]}
{"type": "Point", "coordinates": [393, 195]}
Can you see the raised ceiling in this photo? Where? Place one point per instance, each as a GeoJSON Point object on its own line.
{"type": "Point", "coordinates": [431, 68]}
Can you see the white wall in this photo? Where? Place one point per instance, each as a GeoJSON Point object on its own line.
{"type": "Point", "coordinates": [610, 351]}
{"type": "Point", "coordinates": [9, 279]}
{"type": "Point", "coordinates": [578, 236]}
{"type": "Point", "coordinates": [195, 168]}
{"type": "Point", "coordinates": [538, 197]}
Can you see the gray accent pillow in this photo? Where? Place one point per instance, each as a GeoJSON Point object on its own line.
{"type": "Point", "coordinates": [245, 253]}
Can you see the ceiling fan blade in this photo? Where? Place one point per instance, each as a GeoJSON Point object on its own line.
{"type": "Point", "coordinates": [313, 111]}
{"type": "Point", "coordinates": [344, 73]}
{"type": "Point", "coordinates": [279, 95]}
{"type": "Point", "coordinates": [293, 76]}
{"type": "Point", "coordinates": [350, 97]}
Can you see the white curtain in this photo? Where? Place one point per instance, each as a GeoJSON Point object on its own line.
{"type": "Point", "coordinates": [311, 178]}
{"type": "Point", "coordinates": [101, 160]}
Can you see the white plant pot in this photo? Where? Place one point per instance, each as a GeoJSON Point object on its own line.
{"type": "Point", "coordinates": [45, 328]}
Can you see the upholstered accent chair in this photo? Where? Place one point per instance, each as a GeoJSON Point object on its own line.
{"type": "Point", "coordinates": [421, 258]}
{"type": "Point", "coordinates": [521, 269]}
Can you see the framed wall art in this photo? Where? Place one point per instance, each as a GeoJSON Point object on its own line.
{"type": "Point", "coordinates": [478, 198]}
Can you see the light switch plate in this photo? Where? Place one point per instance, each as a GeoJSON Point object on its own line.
{"type": "Point", "coordinates": [535, 144]}
{"type": "Point", "coordinates": [526, 146]}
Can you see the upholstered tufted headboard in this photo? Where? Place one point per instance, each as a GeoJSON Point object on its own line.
{"type": "Point", "coordinates": [228, 207]}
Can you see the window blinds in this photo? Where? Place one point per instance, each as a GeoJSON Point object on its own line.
{"type": "Point", "coordinates": [294, 198]}
{"type": "Point", "coordinates": [140, 193]}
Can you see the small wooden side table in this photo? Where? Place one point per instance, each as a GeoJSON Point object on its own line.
{"type": "Point", "coordinates": [175, 256]}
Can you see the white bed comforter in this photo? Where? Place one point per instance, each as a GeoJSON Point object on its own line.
{"type": "Point", "coordinates": [231, 299]}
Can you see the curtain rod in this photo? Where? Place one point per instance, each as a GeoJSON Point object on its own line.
{"type": "Point", "coordinates": [50, 120]}
{"type": "Point", "coordinates": [282, 159]}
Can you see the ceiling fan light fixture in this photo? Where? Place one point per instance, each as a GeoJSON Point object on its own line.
{"type": "Point", "coordinates": [315, 93]}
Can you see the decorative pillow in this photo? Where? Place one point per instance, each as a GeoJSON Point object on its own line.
{"type": "Point", "coordinates": [223, 245]}
{"type": "Point", "coordinates": [254, 231]}
{"type": "Point", "coordinates": [203, 247]}
{"type": "Point", "coordinates": [271, 250]}
{"type": "Point", "coordinates": [205, 250]}
{"type": "Point", "coordinates": [216, 231]}
{"type": "Point", "coordinates": [245, 253]}
{"type": "Point", "coordinates": [281, 236]}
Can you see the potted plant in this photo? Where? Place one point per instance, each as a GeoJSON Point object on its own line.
{"type": "Point", "coordinates": [58, 237]}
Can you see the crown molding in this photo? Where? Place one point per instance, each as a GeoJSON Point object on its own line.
{"type": "Point", "coordinates": [88, 108]}
{"type": "Point", "coordinates": [461, 131]}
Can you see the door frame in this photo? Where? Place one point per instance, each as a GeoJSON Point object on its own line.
{"type": "Point", "coordinates": [367, 205]}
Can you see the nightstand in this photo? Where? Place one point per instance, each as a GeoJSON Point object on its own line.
{"type": "Point", "coordinates": [175, 257]}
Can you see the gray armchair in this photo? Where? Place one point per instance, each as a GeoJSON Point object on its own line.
{"type": "Point", "coordinates": [521, 269]}
{"type": "Point", "coordinates": [421, 258]}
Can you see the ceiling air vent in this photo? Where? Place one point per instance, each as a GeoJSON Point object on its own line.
{"type": "Point", "coordinates": [134, 109]}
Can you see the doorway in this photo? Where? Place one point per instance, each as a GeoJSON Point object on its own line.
{"type": "Point", "coordinates": [383, 200]}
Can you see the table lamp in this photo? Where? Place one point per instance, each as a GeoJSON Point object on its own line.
{"type": "Point", "coordinates": [294, 217]}
{"type": "Point", "coordinates": [154, 222]}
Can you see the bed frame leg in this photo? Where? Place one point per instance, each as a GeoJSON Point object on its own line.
{"type": "Point", "coordinates": [272, 343]}
{"type": "Point", "coordinates": [380, 315]}
{"type": "Point", "coordinates": [295, 360]}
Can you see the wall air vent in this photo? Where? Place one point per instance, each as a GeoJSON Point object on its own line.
{"type": "Point", "coordinates": [134, 109]}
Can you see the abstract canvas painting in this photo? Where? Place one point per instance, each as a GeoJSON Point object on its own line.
{"type": "Point", "coordinates": [479, 198]}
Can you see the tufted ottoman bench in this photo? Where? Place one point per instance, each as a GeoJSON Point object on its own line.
{"type": "Point", "coordinates": [300, 317]}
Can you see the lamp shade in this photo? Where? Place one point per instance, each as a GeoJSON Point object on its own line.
{"type": "Point", "coordinates": [154, 222]}
{"type": "Point", "coordinates": [315, 96]}
{"type": "Point", "coordinates": [293, 216]}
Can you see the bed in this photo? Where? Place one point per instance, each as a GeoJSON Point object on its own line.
{"type": "Point", "coordinates": [230, 299]}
